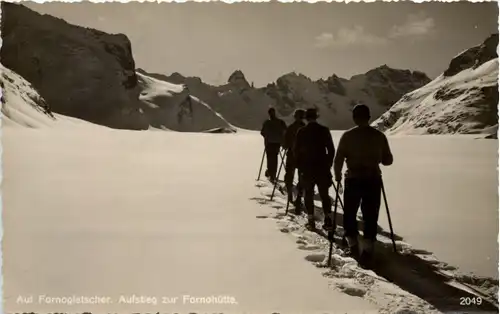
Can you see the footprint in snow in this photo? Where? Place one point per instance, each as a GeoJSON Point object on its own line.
{"type": "Point", "coordinates": [431, 261]}
{"type": "Point", "coordinates": [352, 290]}
{"type": "Point", "coordinates": [315, 258]}
{"type": "Point", "coordinates": [448, 267]}
{"type": "Point", "coordinates": [301, 237]}
{"type": "Point", "coordinates": [418, 251]}
{"type": "Point", "coordinates": [308, 247]}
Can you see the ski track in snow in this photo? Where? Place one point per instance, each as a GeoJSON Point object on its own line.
{"type": "Point", "coordinates": [414, 281]}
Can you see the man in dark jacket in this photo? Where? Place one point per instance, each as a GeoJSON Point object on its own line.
{"type": "Point", "coordinates": [291, 164]}
{"type": "Point", "coordinates": [273, 131]}
{"type": "Point", "coordinates": [363, 148]}
{"type": "Point", "coordinates": [315, 151]}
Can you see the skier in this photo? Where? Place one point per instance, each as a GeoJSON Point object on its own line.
{"type": "Point", "coordinates": [314, 151]}
{"type": "Point", "coordinates": [363, 148]}
{"type": "Point", "coordinates": [291, 164]}
{"type": "Point", "coordinates": [273, 130]}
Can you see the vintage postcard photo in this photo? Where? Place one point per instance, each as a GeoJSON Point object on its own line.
{"type": "Point", "coordinates": [249, 157]}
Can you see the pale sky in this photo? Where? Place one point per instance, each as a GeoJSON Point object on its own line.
{"type": "Point", "coordinates": [267, 40]}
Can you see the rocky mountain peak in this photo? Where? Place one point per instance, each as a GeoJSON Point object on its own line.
{"type": "Point", "coordinates": [386, 74]}
{"type": "Point", "coordinates": [238, 78]}
{"type": "Point", "coordinates": [176, 76]}
{"type": "Point", "coordinates": [333, 84]}
{"type": "Point", "coordinates": [474, 57]}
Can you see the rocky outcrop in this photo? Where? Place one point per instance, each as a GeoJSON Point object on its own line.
{"type": "Point", "coordinates": [333, 84]}
{"type": "Point", "coordinates": [463, 100]}
{"type": "Point", "coordinates": [474, 57]}
{"type": "Point", "coordinates": [388, 85]}
{"type": "Point", "coordinates": [80, 72]}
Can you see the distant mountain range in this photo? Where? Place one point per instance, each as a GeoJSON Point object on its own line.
{"type": "Point", "coordinates": [91, 75]}
{"type": "Point", "coordinates": [246, 107]}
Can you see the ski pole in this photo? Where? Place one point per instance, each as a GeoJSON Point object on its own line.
{"type": "Point", "coordinates": [340, 201]}
{"type": "Point", "coordinates": [388, 215]}
{"type": "Point", "coordinates": [287, 202]}
{"type": "Point", "coordinates": [277, 176]}
{"type": "Point", "coordinates": [261, 163]}
{"type": "Point", "coordinates": [344, 240]}
{"type": "Point", "coordinates": [331, 234]}
{"type": "Point", "coordinates": [281, 153]}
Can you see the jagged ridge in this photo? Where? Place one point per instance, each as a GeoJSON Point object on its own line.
{"type": "Point", "coordinates": [246, 107]}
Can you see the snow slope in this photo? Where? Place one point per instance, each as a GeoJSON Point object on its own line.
{"type": "Point", "coordinates": [21, 103]}
{"type": "Point", "coordinates": [165, 214]}
{"type": "Point", "coordinates": [22, 106]}
{"type": "Point", "coordinates": [170, 106]}
{"type": "Point", "coordinates": [464, 99]}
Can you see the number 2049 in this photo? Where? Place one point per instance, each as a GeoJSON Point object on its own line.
{"type": "Point", "coordinates": [471, 301]}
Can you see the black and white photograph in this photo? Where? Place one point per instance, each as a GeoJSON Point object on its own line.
{"type": "Point", "coordinates": [249, 157]}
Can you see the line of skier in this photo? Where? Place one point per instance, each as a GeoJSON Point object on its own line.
{"type": "Point", "coordinates": [310, 150]}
